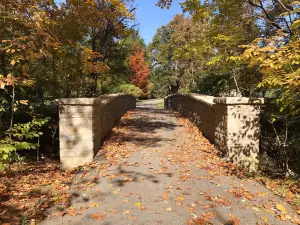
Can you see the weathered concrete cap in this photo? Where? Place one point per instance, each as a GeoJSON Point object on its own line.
{"type": "Point", "coordinates": [239, 101]}
{"type": "Point", "coordinates": [91, 101]}
{"type": "Point", "coordinates": [76, 101]}
{"type": "Point", "coordinates": [206, 99]}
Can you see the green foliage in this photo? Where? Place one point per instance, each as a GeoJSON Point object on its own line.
{"type": "Point", "coordinates": [207, 46]}
{"type": "Point", "coordinates": [20, 137]}
{"type": "Point", "coordinates": [161, 83]}
{"type": "Point", "coordinates": [235, 47]}
{"type": "Point", "coordinates": [131, 89]}
{"type": "Point", "coordinates": [214, 85]}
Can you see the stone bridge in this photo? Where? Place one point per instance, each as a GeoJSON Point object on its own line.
{"type": "Point", "coordinates": [157, 167]}
{"type": "Point", "coordinates": [231, 123]}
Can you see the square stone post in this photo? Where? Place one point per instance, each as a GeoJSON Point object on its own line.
{"type": "Point", "coordinates": [237, 133]}
{"type": "Point", "coordinates": [85, 122]}
{"type": "Point", "coordinates": [76, 131]}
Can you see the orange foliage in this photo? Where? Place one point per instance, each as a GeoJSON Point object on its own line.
{"type": "Point", "coordinates": [140, 69]}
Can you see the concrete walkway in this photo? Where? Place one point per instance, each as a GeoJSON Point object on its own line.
{"type": "Point", "coordinates": [156, 168]}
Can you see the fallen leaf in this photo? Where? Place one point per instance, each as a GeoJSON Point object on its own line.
{"type": "Point", "coordinates": [132, 217]}
{"type": "Point", "coordinates": [199, 221]}
{"type": "Point", "coordinates": [95, 204]}
{"type": "Point", "coordinates": [169, 209]}
{"type": "Point", "coordinates": [209, 215]}
{"type": "Point", "coordinates": [165, 195]}
{"type": "Point", "coordinates": [138, 204]}
{"type": "Point", "coordinates": [265, 219]}
{"type": "Point", "coordinates": [262, 194]}
{"type": "Point", "coordinates": [283, 217]}
{"type": "Point", "coordinates": [200, 203]}
{"type": "Point", "coordinates": [99, 216]}
{"type": "Point", "coordinates": [281, 208]}
{"type": "Point", "coordinates": [112, 177]}
{"type": "Point", "coordinates": [234, 220]}
{"type": "Point", "coordinates": [179, 198]}
{"type": "Point", "coordinates": [209, 206]}
{"type": "Point", "coordinates": [72, 212]}
{"type": "Point", "coordinates": [113, 211]}
{"type": "Point", "coordinates": [185, 177]}
{"type": "Point", "coordinates": [61, 214]}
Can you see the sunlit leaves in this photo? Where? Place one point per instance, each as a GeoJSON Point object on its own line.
{"type": "Point", "coordinates": [139, 68]}
{"type": "Point", "coordinates": [278, 59]}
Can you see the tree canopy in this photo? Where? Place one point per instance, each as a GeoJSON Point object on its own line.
{"type": "Point", "coordinates": [244, 48]}
{"type": "Point", "coordinates": [50, 50]}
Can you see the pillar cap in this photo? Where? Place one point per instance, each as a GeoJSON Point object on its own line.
{"type": "Point", "coordinates": [239, 101]}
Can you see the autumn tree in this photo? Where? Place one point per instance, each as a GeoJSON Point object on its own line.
{"type": "Point", "coordinates": [203, 50]}
{"type": "Point", "coordinates": [255, 46]}
{"type": "Point", "coordinates": [50, 51]}
{"type": "Point", "coordinates": [139, 68]}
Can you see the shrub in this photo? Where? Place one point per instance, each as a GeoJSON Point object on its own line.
{"type": "Point", "coordinates": [19, 137]}
{"type": "Point", "coordinates": [131, 89]}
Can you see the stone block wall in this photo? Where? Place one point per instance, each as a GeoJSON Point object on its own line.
{"type": "Point", "coordinates": [231, 123]}
{"type": "Point", "coordinates": [85, 122]}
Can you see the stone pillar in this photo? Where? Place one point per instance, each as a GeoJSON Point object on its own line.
{"type": "Point", "coordinates": [76, 131]}
{"type": "Point", "coordinates": [85, 122]}
{"type": "Point", "coordinates": [237, 131]}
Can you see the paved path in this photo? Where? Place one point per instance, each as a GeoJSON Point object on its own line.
{"type": "Point", "coordinates": [157, 169]}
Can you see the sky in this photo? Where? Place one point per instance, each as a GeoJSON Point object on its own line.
{"type": "Point", "coordinates": [151, 17]}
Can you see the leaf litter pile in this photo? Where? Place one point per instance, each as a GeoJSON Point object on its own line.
{"type": "Point", "coordinates": [33, 189]}
{"type": "Point", "coordinates": [30, 190]}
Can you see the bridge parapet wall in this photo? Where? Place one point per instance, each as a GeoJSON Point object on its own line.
{"type": "Point", "coordinates": [231, 123]}
{"type": "Point", "coordinates": [85, 122]}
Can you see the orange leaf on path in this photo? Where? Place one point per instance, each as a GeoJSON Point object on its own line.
{"type": "Point", "coordinates": [72, 212]}
{"type": "Point", "coordinates": [113, 211]}
{"type": "Point", "coordinates": [99, 216]}
{"type": "Point", "coordinates": [209, 215]}
{"type": "Point", "coordinates": [235, 221]}
{"type": "Point", "coordinates": [132, 217]}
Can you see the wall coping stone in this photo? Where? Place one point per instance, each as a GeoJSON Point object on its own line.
{"type": "Point", "coordinates": [206, 99]}
{"type": "Point", "coordinates": [239, 101]}
{"type": "Point", "coordinates": [103, 99]}
{"type": "Point", "coordinates": [211, 100]}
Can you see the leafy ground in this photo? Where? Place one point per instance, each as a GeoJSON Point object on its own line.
{"type": "Point", "coordinates": [155, 168]}
{"type": "Point", "coordinates": [31, 189]}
